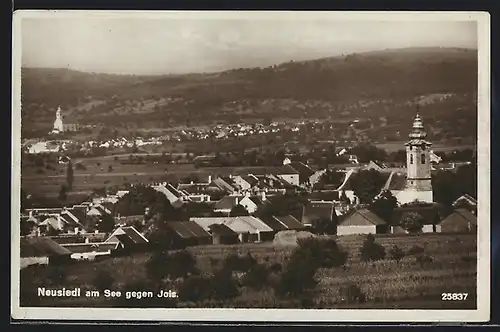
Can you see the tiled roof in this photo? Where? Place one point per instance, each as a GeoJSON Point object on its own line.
{"type": "Point", "coordinates": [221, 230]}
{"type": "Point", "coordinates": [317, 210]}
{"type": "Point", "coordinates": [304, 171]}
{"type": "Point", "coordinates": [362, 217]}
{"type": "Point", "coordinates": [132, 233]}
{"type": "Point", "coordinates": [256, 200]}
{"type": "Point", "coordinates": [395, 181]}
{"type": "Point", "coordinates": [237, 224]}
{"type": "Point", "coordinates": [290, 222]}
{"type": "Point", "coordinates": [465, 198]}
{"type": "Point", "coordinates": [226, 203]}
{"type": "Point", "coordinates": [274, 223]}
{"type": "Point", "coordinates": [250, 179]}
{"type": "Point", "coordinates": [286, 170]}
{"type": "Point", "coordinates": [41, 247]}
{"type": "Point", "coordinates": [465, 214]}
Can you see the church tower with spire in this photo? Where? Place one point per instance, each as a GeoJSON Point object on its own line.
{"type": "Point", "coordinates": [418, 163]}
{"type": "Point", "coordinates": [58, 123]}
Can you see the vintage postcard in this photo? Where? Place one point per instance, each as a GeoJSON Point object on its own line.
{"type": "Point", "coordinates": [251, 166]}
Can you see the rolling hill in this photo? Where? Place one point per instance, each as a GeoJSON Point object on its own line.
{"type": "Point", "coordinates": [378, 83]}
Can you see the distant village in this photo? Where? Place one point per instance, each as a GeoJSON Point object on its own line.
{"type": "Point", "coordinates": [77, 232]}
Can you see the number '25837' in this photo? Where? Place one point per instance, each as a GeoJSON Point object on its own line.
{"type": "Point", "coordinates": [454, 296]}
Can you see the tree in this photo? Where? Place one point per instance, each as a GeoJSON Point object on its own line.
{"type": "Point", "coordinates": [384, 206]}
{"type": "Point", "coordinates": [166, 265]}
{"type": "Point", "coordinates": [324, 226]}
{"type": "Point", "coordinates": [412, 222]}
{"type": "Point", "coordinates": [371, 251]}
{"type": "Point", "coordinates": [26, 226]}
{"type": "Point", "coordinates": [367, 184]}
{"type": "Point", "coordinates": [24, 200]}
{"type": "Point", "coordinates": [63, 193]}
{"type": "Point", "coordinates": [107, 223]}
{"type": "Point", "coordinates": [69, 175]}
{"type": "Point", "coordinates": [445, 187]}
{"type": "Point", "coordinates": [238, 211]}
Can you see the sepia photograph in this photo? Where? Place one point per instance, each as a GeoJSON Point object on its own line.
{"type": "Point", "coordinates": [250, 166]}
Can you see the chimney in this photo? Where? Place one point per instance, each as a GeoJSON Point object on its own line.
{"type": "Point", "coordinates": [263, 195]}
{"type": "Point", "coordinates": [87, 240]}
{"type": "Point", "coordinates": [76, 230]}
{"type": "Point", "coordinates": [209, 179]}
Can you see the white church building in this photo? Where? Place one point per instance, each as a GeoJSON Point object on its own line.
{"type": "Point", "coordinates": [59, 126]}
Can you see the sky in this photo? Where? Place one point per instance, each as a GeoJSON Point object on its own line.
{"type": "Point", "coordinates": [177, 45]}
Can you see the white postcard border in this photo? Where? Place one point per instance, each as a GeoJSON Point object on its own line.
{"type": "Point", "coordinates": [481, 314]}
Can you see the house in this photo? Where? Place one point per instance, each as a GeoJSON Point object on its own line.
{"type": "Point", "coordinates": [361, 221]}
{"type": "Point", "coordinates": [459, 221]}
{"type": "Point", "coordinates": [304, 171]}
{"type": "Point", "coordinates": [314, 211]}
{"type": "Point", "coordinates": [245, 182]}
{"type": "Point", "coordinates": [90, 251]}
{"type": "Point", "coordinates": [42, 250]}
{"type": "Point", "coordinates": [58, 223]}
{"type": "Point", "coordinates": [249, 229]}
{"type": "Point", "coordinates": [252, 203]}
{"type": "Point", "coordinates": [346, 187]}
{"type": "Point", "coordinates": [288, 174]}
{"type": "Point", "coordinates": [467, 202]}
{"type": "Point", "coordinates": [221, 234]}
{"type": "Point", "coordinates": [283, 223]}
{"type": "Point", "coordinates": [226, 204]}
{"type": "Point", "coordinates": [189, 233]}
{"type": "Point", "coordinates": [173, 195]}
{"type": "Point", "coordinates": [128, 237]}
{"type": "Point", "coordinates": [227, 184]}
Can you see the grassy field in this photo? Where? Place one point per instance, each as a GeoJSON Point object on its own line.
{"type": "Point", "coordinates": [108, 171]}
{"type": "Point", "coordinates": [388, 283]}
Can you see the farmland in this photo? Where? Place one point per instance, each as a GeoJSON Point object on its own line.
{"type": "Point", "coordinates": [387, 283]}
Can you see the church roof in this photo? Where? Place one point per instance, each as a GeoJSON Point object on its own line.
{"type": "Point", "coordinates": [396, 181]}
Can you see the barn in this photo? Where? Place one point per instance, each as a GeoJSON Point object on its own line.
{"type": "Point", "coordinates": [42, 250]}
{"type": "Point", "coordinates": [362, 221]}
{"type": "Point", "coordinates": [459, 221]}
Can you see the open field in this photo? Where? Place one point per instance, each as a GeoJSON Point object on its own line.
{"type": "Point", "coordinates": [109, 171]}
{"type": "Point", "coordinates": [408, 283]}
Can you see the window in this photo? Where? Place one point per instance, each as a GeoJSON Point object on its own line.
{"type": "Point", "coordinates": [423, 158]}
{"type": "Point", "coordinates": [411, 159]}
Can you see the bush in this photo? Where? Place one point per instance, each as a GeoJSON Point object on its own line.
{"type": "Point", "coordinates": [56, 276]}
{"type": "Point", "coordinates": [424, 259]}
{"type": "Point", "coordinates": [396, 253]}
{"type": "Point", "coordinates": [103, 280]}
{"type": "Point", "coordinates": [163, 264]}
{"type": "Point", "coordinates": [223, 285]}
{"type": "Point", "coordinates": [352, 294]}
{"type": "Point", "coordinates": [297, 277]}
{"type": "Point", "coordinates": [320, 252]}
{"type": "Point", "coordinates": [275, 267]}
{"type": "Point", "coordinates": [372, 251]}
{"type": "Point", "coordinates": [415, 250]}
{"type": "Point", "coordinates": [196, 288]}
{"type": "Point", "coordinates": [234, 262]}
{"type": "Point", "coordinates": [257, 277]}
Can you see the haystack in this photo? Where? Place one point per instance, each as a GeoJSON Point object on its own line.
{"type": "Point", "coordinates": [289, 238]}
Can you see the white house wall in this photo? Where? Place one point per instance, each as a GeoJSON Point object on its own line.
{"type": "Point", "coordinates": [293, 179]}
{"type": "Point", "coordinates": [352, 230]}
{"type": "Point", "coordinates": [27, 261]}
{"type": "Point", "coordinates": [408, 196]}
